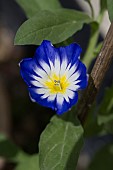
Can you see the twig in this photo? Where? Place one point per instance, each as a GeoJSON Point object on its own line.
{"type": "Point", "coordinates": [97, 75]}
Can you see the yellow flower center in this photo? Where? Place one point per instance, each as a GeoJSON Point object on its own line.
{"type": "Point", "coordinates": [57, 84]}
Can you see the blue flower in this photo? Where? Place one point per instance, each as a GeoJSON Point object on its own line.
{"type": "Point", "coordinates": [54, 75]}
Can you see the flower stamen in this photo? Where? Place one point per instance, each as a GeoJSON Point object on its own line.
{"type": "Point", "coordinates": [57, 85]}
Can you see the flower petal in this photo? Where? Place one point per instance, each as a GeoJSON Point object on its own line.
{"type": "Point", "coordinates": [74, 100]}
{"type": "Point", "coordinates": [41, 73]}
{"type": "Point", "coordinates": [79, 74]}
{"type": "Point", "coordinates": [27, 70]}
{"type": "Point", "coordinates": [51, 97]}
{"type": "Point", "coordinates": [62, 105]}
{"type": "Point", "coordinates": [45, 53]}
{"type": "Point", "coordinates": [83, 83]}
{"type": "Point", "coordinates": [41, 90]}
{"type": "Point", "coordinates": [73, 87]}
{"type": "Point", "coordinates": [74, 76]}
{"type": "Point", "coordinates": [71, 53]}
{"type": "Point", "coordinates": [70, 93]}
{"type": "Point", "coordinates": [72, 69]}
{"type": "Point", "coordinates": [38, 98]}
{"type": "Point", "coordinates": [82, 69]}
{"type": "Point", "coordinates": [82, 80]}
{"type": "Point", "coordinates": [36, 83]}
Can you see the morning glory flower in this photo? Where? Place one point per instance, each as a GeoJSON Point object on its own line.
{"type": "Point", "coordinates": [54, 75]}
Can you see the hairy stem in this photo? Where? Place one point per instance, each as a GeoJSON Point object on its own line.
{"type": "Point", "coordinates": [97, 75]}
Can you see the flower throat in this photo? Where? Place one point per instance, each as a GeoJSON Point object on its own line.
{"type": "Point", "coordinates": [57, 85]}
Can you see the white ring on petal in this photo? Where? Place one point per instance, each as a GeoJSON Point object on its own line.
{"type": "Point", "coordinates": [45, 66]}
{"type": "Point", "coordinates": [41, 73]}
{"type": "Point", "coordinates": [41, 91]}
{"type": "Point", "coordinates": [70, 93]}
{"type": "Point", "coordinates": [57, 66]}
{"type": "Point", "coordinates": [37, 78]}
{"type": "Point", "coordinates": [45, 96]}
{"type": "Point", "coordinates": [74, 77]}
{"type": "Point", "coordinates": [73, 87]}
{"type": "Point", "coordinates": [63, 67]}
{"type": "Point", "coordinates": [36, 83]}
{"type": "Point", "coordinates": [66, 97]}
{"type": "Point", "coordinates": [68, 67]}
{"type": "Point", "coordinates": [51, 65]}
{"type": "Point", "coordinates": [59, 99]}
{"type": "Point", "coordinates": [72, 70]}
{"type": "Point", "coordinates": [77, 81]}
{"type": "Point", "coordinates": [51, 97]}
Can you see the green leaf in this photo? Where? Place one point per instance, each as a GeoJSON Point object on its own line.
{"type": "Point", "coordinates": [106, 106]}
{"type": "Point", "coordinates": [55, 26]}
{"type": "Point", "coordinates": [103, 159]}
{"type": "Point", "coordinates": [91, 127]}
{"type": "Point", "coordinates": [60, 145]}
{"type": "Point", "coordinates": [103, 5]}
{"type": "Point", "coordinates": [31, 7]}
{"type": "Point", "coordinates": [105, 111]}
{"type": "Point", "coordinates": [10, 151]}
{"type": "Point", "coordinates": [102, 119]}
{"type": "Point", "coordinates": [31, 163]}
{"type": "Point", "coordinates": [107, 122]}
{"type": "Point", "coordinates": [110, 9]}
{"type": "Point", "coordinates": [14, 154]}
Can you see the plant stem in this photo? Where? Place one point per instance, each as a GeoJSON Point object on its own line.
{"type": "Point", "coordinates": [97, 75]}
{"type": "Point", "coordinates": [89, 55]}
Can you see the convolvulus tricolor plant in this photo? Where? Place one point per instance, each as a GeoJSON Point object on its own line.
{"type": "Point", "coordinates": [55, 74]}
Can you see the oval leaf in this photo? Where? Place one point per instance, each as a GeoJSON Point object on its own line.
{"type": "Point", "coordinates": [60, 145]}
{"type": "Point", "coordinates": [32, 6]}
{"type": "Point", "coordinates": [10, 151]}
{"type": "Point", "coordinates": [31, 163]}
{"type": "Point", "coordinates": [110, 9]}
{"type": "Point", "coordinates": [55, 26]}
{"type": "Point", "coordinates": [105, 110]}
